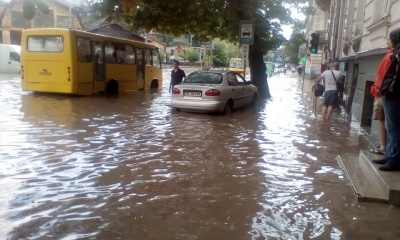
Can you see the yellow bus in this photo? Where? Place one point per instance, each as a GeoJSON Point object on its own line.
{"type": "Point", "coordinates": [58, 60]}
{"type": "Point", "coordinates": [237, 64]}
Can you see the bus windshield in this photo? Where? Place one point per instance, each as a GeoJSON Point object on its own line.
{"type": "Point", "coordinates": [236, 63]}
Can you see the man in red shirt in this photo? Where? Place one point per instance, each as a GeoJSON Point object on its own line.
{"type": "Point", "coordinates": [378, 113]}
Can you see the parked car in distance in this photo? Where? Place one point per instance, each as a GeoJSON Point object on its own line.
{"type": "Point", "coordinates": [10, 58]}
{"type": "Point", "coordinates": [213, 91]}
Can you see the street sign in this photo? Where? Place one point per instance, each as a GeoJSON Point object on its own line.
{"type": "Point", "coordinates": [278, 58]}
{"type": "Point", "coordinates": [245, 51]}
{"type": "Point", "coordinates": [279, 52]}
{"type": "Point", "coordinates": [246, 32]}
{"type": "Point", "coordinates": [202, 48]}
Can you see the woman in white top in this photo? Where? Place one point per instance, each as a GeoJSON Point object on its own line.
{"type": "Point", "coordinates": [329, 79]}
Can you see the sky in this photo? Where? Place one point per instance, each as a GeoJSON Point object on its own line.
{"type": "Point", "coordinates": [287, 30]}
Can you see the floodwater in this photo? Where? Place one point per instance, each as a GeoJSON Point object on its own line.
{"type": "Point", "coordinates": [132, 168]}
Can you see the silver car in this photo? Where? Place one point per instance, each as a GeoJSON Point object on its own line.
{"type": "Point", "coordinates": [213, 91]}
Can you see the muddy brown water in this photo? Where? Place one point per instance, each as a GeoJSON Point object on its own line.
{"type": "Point", "coordinates": [132, 168]}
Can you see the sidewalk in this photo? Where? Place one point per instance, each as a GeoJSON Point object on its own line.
{"type": "Point", "coordinates": [368, 182]}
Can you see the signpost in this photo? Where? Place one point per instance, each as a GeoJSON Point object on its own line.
{"type": "Point", "coordinates": [246, 38]}
{"type": "Point", "coordinates": [202, 49]}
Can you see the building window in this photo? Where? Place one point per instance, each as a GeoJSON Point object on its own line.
{"type": "Point", "coordinates": [18, 20]}
{"type": "Point", "coordinates": [42, 20]}
{"type": "Point", "coordinates": [386, 9]}
{"type": "Point", "coordinates": [63, 21]}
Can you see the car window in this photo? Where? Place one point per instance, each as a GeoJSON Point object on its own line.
{"type": "Point", "coordinates": [240, 80]}
{"type": "Point", "coordinates": [204, 77]}
{"type": "Point", "coordinates": [232, 80]}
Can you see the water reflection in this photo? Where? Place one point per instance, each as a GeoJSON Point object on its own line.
{"type": "Point", "coordinates": [129, 167]}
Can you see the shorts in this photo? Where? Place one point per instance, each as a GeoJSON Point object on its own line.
{"type": "Point", "coordinates": [330, 98]}
{"type": "Point", "coordinates": [378, 113]}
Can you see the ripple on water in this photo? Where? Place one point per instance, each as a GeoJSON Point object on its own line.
{"type": "Point", "coordinates": [129, 167]}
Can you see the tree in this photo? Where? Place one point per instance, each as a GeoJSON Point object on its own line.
{"type": "Point", "coordinates": [192, 55]}
{"type": "Point", "coordinates": [220, 58]}
{"type": "Point", "coordinates": [293, 45]}
{"type": "Point", "coordinates": [210, 19]}
{"type": "Point", "coordinates": [29, 8]}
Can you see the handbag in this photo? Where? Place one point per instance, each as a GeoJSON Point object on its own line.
{"type": "Point", "coordinates": [318, 89]}
{"type": "Point", "coordinates": [390, 82]}
{"type": "Point", "coordinates": [339, 84]}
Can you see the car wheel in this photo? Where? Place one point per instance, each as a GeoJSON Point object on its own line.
{"type": "Point", "coordinates": [253, 100]}
{"type": "Point", "coordinates": [228, 107]}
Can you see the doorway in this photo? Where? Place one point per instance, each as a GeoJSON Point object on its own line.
{"type": "Point", "coordinates": [99, 68]}
{"type": "Point", "coordinates": [140, 68]}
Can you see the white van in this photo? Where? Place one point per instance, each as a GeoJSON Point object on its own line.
{"type": "Point", "coordinates": [10, 58]}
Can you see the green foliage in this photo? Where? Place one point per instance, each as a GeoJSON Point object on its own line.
{"type": "Point", "coordinates": [29, 9]}
{"type": "Point", "coordinates": [176, 43]}
{"type": "Point", "coordinates": [293, 45]}
{"type": "Point", "coordinates": [220, 58]}
{"type": "Point", "coordinates": [207, 18]}
{"type": "Point", "coordinates": [192, 55]}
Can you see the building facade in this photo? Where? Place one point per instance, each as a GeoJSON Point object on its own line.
{"type": "Point", "coordinates": [12, 20]}
{"type": "Point", "coordinates": [357, 31]}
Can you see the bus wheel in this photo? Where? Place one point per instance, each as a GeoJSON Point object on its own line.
{"type": "Point", "coordinates": [112, 87]}
{"type": "Point", "coordinates": [154, 84]}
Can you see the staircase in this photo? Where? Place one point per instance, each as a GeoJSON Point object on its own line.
{"type": "Point", "coordinates": [368, 182]}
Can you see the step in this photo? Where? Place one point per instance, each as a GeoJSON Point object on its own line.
{"type": "Point", "coordinates": [368, 182]}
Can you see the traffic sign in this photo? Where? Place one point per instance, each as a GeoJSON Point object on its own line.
{"type": "Point", "coordinates": [246, 32]}
{"type": "Point", "coordinates": [202, 48]}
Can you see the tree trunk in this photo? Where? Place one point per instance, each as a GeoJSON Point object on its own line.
{"type": "Point", "coordinates": [258, 74]}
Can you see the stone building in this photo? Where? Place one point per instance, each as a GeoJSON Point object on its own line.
{"type": "Point", "coordinates": [12, 21]}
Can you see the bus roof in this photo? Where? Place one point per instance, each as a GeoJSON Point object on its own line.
{"type": "Point", "coordinates": [47, 31]}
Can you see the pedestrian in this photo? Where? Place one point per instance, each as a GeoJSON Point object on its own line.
{"type": "Point", "coordinates": [378, 113]}
{"type": "Point", "coordinates": [329, 79]}
{"type": "Point", "coordinates": [177, 75]}
{"type": "Point", "coordinates": [340, 89]}
{"type": "Point", "coordinates": [300, 71]}
{"type": "Point", "coordinates": [390, 91]}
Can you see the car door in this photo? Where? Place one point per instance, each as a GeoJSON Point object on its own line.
{"type": "Point", "coordinates": [244, 93]}
{"type": "Point", "coordinates": [235, 90]}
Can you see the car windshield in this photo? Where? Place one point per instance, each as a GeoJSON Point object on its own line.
{"type": "Point", "coordinates": [204, 77]}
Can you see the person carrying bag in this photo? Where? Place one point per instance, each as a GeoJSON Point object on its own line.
{"type": "Point", "coordinates": [331, 95]}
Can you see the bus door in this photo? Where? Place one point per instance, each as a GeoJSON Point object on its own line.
{"type": "Point", "coordinates": [140, 68]}
{"type": "Point", "coordinates": [99, 68]}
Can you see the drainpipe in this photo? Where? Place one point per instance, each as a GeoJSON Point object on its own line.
{"type": "Point", "coordinates": [336, 30]}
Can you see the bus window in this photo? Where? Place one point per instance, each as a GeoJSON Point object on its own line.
{"type": "Point", "coordinates": [110, 52]}
{"type": "Point", "coordinates": [45, 43]}
{"type": "Point", "coordinates": [156, 58]}
{"type": "Point", "coordinates": [84, 54]}
{"type": "Point", "coordinates": [130, 54]}
{"type": "Point", "coordinates": [120, 53]}
{"type": "Point", "coordinates": [147, 56]}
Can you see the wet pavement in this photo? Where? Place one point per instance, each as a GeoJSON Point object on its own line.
{"type": "Point", "coordinates": [131, 168]}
